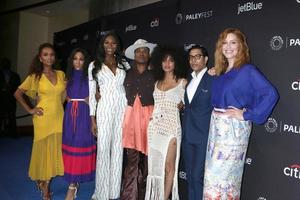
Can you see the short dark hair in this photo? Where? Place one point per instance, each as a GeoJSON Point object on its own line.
{"type": "Point", "coordinates": [198, 46]}
{"type": "Point", "coordinates": [202, 49]}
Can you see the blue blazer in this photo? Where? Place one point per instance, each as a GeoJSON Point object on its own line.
{"type": "Point", "coordinates": [196, 116]}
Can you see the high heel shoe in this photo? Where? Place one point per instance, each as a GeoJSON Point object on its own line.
{"type": "Point", "coordinates": [75, 189]}
{"type": "Point", "coordinates": [38, 184]}
{"type": "Point", "coordinates": [45, 190]}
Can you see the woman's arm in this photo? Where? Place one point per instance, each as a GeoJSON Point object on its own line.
{"type": "Point", "coordinates": [92, 99]}
{"type": "Point", "coordinates": [92, 91]}
{"type": "Point", "coordinates": [34, 111]}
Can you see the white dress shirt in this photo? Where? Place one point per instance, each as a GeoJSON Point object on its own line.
{"type": "Point", "coordinates": [193, 85]}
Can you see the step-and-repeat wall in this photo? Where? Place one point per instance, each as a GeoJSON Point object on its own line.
{"type": "Point", "coordinates": [272, 27]}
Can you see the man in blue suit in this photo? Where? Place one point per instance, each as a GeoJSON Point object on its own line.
{"type": "Point", "coordinates": [196, 119]}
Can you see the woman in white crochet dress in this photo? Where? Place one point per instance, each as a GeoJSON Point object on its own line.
{"type": "Point", "coordinates": [164, 130]}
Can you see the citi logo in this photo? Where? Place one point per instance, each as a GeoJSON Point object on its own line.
{"type": "Point", "coordinates": [292, 171]}
{"type": "Point", "coordinates": [130, 28]}
{"type": "Point", "coordinates": [154, 23]}
{"type": "Point", "coordinates": [296, 85]}
{"type": "Point", "coordinates": [249, 6]}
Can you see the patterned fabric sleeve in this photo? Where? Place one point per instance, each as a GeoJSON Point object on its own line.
{"type": "Point", "coordinates": [92, 91]}
{"type": "Point", "coordinates": [30, 86]}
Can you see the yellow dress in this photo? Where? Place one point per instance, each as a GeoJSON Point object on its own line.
{"type": "Point", "coordinates": [46, 157]}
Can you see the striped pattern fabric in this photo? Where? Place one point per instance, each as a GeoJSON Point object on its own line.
{"type": "Point", "coordinates": [79, 163]}
{"type": "Point", "coordinates": [109, 115]}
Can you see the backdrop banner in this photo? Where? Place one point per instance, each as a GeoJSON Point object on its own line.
{"type": "Point", "coordinates": [272, 167]}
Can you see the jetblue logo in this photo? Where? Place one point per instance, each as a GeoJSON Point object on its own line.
{"type": "Point", "coordinates": [249, 6]}
{"type": "Point", "coordinates": [130, 28]}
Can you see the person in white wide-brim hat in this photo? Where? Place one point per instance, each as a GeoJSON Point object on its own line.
{"type": "Point", "coordinates": [140, 43]}
{"type": "Point", "coordinates": [139, 86]}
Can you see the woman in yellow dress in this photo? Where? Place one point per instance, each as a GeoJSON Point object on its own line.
{"type": "Point", "coordinates": [46, 86]}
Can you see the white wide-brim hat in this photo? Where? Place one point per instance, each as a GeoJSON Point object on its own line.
{"type": "Point", "coordinates": [129, 52]}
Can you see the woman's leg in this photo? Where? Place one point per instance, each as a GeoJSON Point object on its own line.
{"type": "Point", "coordinates": [44, 187]}
{"type": "Point", "coordinates": [72, 191]}
{"type": "Point", "coordinates": [170, 167]}
{"type": "Point", "coordinates": [116, 156]}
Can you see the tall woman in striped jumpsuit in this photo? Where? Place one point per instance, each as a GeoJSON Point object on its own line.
{"type": "Point", "coordinates": [108, 72]}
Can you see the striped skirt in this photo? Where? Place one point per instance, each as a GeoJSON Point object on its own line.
{"type": "Point", "coordinates": [79, 163]}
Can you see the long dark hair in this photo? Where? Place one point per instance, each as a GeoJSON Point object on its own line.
{"type": "Point", "coordinates": [100, 53]}
{"type": "Point", "coordinates": [160, 53]}
{"type": "Point", "coordinates": [36, 67]}
{"type": "Point", "coordinates": [70, 67]}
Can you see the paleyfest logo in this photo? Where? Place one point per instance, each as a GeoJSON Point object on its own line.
{"type": "Point", "coordinates": [272, 125]}
{"type": "Point", "coordinates": [277, 42]}
{"type": "Point", "coordinates": [179, 18]}
{"type": "Point", "coordinates": [193, 16]}
{"type": "Point", "coordinates": [292, 171]}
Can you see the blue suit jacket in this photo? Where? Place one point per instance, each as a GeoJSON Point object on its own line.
{"type": "Point", "coordinates": [196, 116]}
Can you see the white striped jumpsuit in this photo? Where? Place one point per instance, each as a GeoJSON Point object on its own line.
{"type": "Point", "coordinates": [109, 116]}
